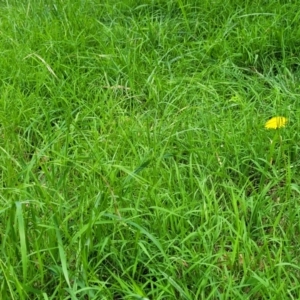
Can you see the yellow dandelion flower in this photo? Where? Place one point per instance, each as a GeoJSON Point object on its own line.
{"type": "Point", "coordinates": [276, 122]}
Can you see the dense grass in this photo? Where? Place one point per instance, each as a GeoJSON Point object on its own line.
{"type": "Point", "coordinates": [134, 159]}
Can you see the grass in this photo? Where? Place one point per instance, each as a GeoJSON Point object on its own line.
{"type": "Point", "coordinates": [134, 159]}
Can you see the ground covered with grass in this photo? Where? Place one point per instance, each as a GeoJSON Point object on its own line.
{"type": "Point", "coordinates": [134, 159]}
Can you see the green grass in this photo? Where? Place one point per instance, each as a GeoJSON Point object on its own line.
{"type": "Point", "coordinates": [134, 159]}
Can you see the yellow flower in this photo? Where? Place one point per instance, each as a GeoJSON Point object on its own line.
{"type": "Point", "coordinates": [276, 122]}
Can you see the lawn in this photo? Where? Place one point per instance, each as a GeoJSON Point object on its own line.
{"type": "Point", "coordinates": [135, 162]}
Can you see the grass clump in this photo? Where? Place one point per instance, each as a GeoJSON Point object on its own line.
{"type": "Point", "coordinates": [135, 162]}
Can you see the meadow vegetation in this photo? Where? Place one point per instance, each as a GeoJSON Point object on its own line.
{"type": "Point", "coordinates": [134, 159]}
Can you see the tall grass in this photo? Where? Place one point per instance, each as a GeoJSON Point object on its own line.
{"type": "Point", "coordinates": [134, 159]}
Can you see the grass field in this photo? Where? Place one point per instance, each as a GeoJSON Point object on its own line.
{"type": "Point", "coordinates": [135, 162]}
